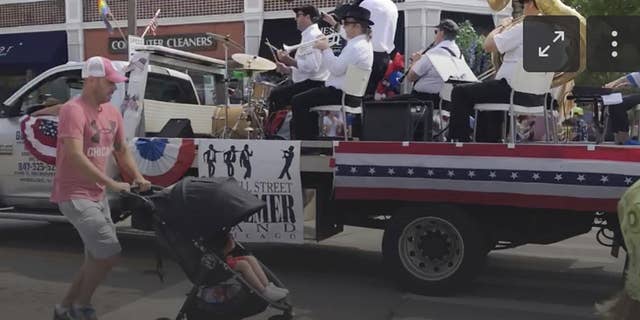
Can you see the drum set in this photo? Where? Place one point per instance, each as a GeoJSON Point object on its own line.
{"type": "Point", "coordinates": [245, 120]}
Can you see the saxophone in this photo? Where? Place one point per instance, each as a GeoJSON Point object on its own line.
{"type": "Point", "coordinates": [548, 8]}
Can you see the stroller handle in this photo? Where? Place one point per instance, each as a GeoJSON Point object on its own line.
{"type": "Point", "coordinates": [142, 197]}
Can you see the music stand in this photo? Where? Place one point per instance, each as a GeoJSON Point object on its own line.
{"type": "Point", "coordinates": [226, 42]}
{"type": "Point", "coordinates": [452, 69]}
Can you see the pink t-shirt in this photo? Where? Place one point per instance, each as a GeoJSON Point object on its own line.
{"type": "Point", "coordinates": [98, 131]}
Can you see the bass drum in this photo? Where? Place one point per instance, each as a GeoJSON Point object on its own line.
{"type": "Point", "coordinates": [237, 122]}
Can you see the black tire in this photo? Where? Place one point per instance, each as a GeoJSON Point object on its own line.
{"type": "Point", "coordinates": [450, 253]}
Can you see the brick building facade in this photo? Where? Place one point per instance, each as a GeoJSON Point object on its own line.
{"type": "Point", "coordinates": [85, 33]}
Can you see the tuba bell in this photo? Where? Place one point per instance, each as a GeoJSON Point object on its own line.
{"type": "Point", "coordinates": [549, 8]}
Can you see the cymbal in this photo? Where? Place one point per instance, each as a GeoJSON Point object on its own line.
{"type": "Point", "coordinates": [251, 62]}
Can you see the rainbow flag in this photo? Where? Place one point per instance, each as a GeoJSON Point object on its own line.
{"type": "Point", "coordinates": [104, 13]}
{"type": "Point", "coordinates": [103, 7]}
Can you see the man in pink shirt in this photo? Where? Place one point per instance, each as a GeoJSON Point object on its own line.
{"type": "Point", "coordinates": [90, 130]}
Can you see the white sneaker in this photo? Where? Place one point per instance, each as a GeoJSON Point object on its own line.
{"type": "Point", "coordinates": [273, 294]}
{"type": "Point", "coordinates": [275, 288]}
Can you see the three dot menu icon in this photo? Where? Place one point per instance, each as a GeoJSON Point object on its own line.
{"type": "Point", "coordinates": [613, 44]}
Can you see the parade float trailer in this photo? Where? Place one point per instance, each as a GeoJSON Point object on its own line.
{"type": "Point", "coordinates": [443, 206]}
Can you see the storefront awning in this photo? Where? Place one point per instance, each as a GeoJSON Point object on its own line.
{"type": "Point", "coordinates": [37, 51]}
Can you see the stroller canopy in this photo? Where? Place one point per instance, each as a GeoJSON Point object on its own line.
{"type": "Point", "coordinates": [208, 207]}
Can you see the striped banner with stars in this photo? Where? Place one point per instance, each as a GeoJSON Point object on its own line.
{"type": "Point", "coordinates": [534, 176]}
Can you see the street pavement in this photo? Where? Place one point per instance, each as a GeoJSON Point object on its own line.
{"type": "Point", "coordinates": [339, 278]}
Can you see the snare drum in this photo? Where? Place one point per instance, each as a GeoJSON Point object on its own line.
{"type": "Point", "coordinates": [237, 122]}
{"type": "Point", "coordinates": [261, 90]}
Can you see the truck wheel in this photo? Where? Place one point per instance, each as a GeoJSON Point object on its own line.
{"type": "Point", "coordinates": [434, 251]}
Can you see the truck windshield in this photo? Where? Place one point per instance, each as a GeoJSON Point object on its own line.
{"type": "Point", "coordinates": [170, 89]}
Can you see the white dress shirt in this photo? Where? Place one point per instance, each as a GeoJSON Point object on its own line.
{"type": "Point", "coordinates": [429, 80]}
{"type": "Point", "coordinates": [384, 14]}
{"type": "Point", "coordinates": [309, 59]}
{"type": "Point", "coordinates": [509, 43]}
{"type": "Point", "coordinates": [358, 52]}
{"type": "Point", "coordinates": [634, 79]}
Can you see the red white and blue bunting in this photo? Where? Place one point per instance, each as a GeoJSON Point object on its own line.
{"type": "Point", "coordinates": [163, 161]}
{"type": "Point", "coordinates": [40, 135]}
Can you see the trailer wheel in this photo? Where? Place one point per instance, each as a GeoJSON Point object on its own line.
{"type": "Point", "coordinates": [434, 251]}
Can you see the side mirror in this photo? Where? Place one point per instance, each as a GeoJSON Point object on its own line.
{"type": "Point", "coordinates": [9, 112]}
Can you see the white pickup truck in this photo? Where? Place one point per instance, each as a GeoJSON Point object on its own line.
{"type": "Point", "coordinates": [25, 182]}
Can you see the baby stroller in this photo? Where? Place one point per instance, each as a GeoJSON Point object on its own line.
{"type": "Point", "coordinates": [191, 222]}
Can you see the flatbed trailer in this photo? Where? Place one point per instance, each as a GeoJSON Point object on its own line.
{"type": "Point", "coordinates": [444, 206]}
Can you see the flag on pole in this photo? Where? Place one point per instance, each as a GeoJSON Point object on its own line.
{"type": "Point", "coordinates": [103, 7]}
{"type": "Point", "coordinates": [153, 24]}
{"type": "Point", "coordinates": [104, 10]}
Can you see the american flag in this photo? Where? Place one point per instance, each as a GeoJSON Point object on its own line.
{"type": "Point", "coordinates": [153, 24]}
{"type": "Point", "coordinates": [40, 136]}
{"type": "Point", "coordinates": [571, 177]}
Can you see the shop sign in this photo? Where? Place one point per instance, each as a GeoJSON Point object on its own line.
{"type": "Point", "coordinates": [186, 42]}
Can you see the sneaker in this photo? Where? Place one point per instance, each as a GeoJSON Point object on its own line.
{"type": "Point", "coordinates": [84, 313]}
{"type": "Point", "coordinates": [60, 313]}
{"type": "Point", "coordinates": [272, 294]}
{"type": "Point", "coordinates": [275, 288]}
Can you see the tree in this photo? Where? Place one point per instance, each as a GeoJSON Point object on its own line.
{"type": "Point", "coordinates": [603, 8]}
{"type": "Point", "coordinates": [471, 45]}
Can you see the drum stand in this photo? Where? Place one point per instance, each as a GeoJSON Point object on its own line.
{"type": "Point", "coordinates": [249, 112]}
{"type": "Point", "coordinates": [226, 40]}
{"type": "Point", "coordinates": [225, 130]}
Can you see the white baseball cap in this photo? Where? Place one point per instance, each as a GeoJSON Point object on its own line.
{"type": "Point", "coordinates": [99, 67]}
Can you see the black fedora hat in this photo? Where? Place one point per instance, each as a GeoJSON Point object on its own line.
{"type": "Point", "coordinates": [308, 10]}
{"type": "Point", "coordinates": [358, 13]}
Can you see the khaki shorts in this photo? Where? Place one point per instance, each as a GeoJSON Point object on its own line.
{"type": "Point", "coordinates": [93, 222]}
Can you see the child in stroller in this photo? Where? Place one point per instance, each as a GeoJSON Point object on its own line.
{"type": "Point", "coordinates": [192, 222]}
{"type": "Point", "coordinates": [251, 271]}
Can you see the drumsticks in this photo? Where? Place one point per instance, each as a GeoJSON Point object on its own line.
{"type": "Point", "coordinates": [273, 49]}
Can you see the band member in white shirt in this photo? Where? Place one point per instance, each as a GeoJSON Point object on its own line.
{"type": "Point", "coordinates": [427, 83]}
{"type": "Point", "coordinates": [508, 41]}
{"type": "Point", "coordinates": [306, 68]}
{"type": "Point", "coordinates": [618, 112]}
{"type": "Point", "coordinates": [384, 14]}
{"type": "Point", "coordinates": [358, 51]}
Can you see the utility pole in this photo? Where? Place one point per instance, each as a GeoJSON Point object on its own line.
{"type": "Point", "coordinates": [131, 16]}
